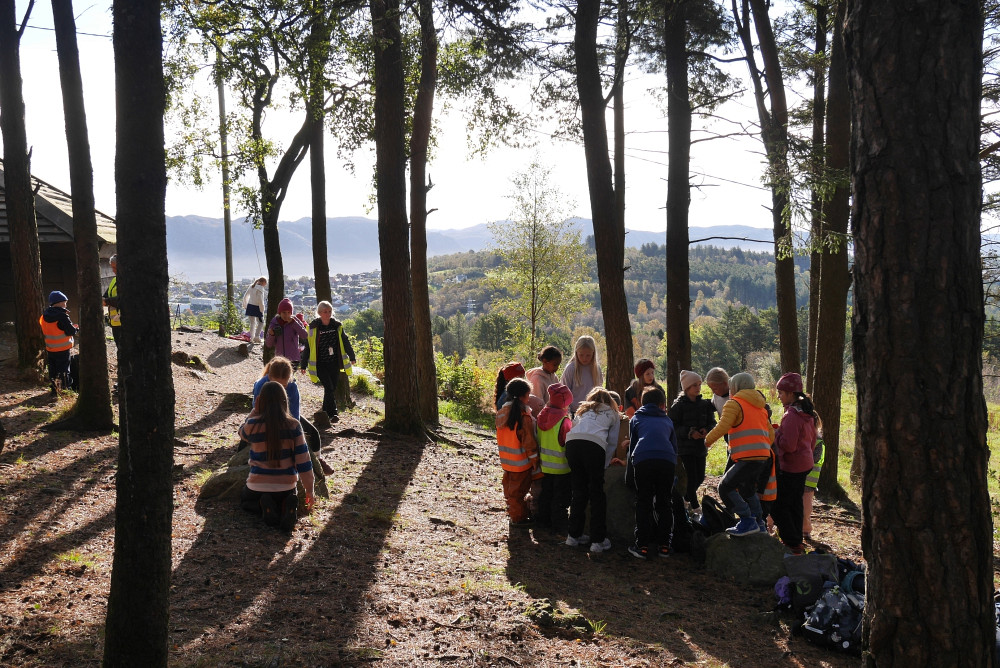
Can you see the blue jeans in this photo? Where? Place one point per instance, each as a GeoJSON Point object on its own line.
{"type": "Point", "coordinates": [738, 488]}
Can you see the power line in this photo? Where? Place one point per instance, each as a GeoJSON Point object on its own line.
{"type": "Point", "coordinates": [87, 34]}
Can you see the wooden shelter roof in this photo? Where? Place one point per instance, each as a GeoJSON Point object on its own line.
{"type": "Point", "coordinates": [54, 213]}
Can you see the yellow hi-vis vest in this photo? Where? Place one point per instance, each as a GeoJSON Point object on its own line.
{"type": "Point", "coordinates": [311, 366]}
{"type": "Point", "coordinates": [550, 452]}
{"type": "Point", "coordinates": [812, 480]}
{"type": "Point", "coordinates": [56, 340]}
{"type": "Point", "coordinates": [113, 314]}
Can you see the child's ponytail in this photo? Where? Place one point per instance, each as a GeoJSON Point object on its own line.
{"type": "Point", "coordinates": [516, 390]}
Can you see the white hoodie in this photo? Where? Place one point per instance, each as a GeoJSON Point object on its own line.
{"type": "Point", "coordinates": [599, 426]}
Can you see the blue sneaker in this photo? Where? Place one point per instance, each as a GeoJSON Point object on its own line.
{"type": "Point", "coordinates": [761, 524]}
{"type": "Point", "coordinates": [745, 527]}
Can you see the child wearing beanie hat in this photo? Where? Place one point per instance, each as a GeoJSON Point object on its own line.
{"type": "Point", "coordinates": [693, 417]}
{"type": "Point", "coordinates": [794, 443]}
{"type": "Point", "coordinates": [645, 377]}
{"type": "Point", "coordinates": [284, 333]}
{"type": "Point", "coordinates": [58, 331]}
{"type": "Point", "coordinates": [553, 425]}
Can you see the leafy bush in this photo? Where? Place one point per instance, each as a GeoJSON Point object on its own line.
{"type": "Point", "coordinates": [370, 356]}
{"type": "Point", "coordinates": [362, 384]}
{"type": "Point", "coordinates": [463, 381]}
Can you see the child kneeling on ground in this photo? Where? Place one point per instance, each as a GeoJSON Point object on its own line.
{"type": "Point", "coordinates": [279, 458]}
{"type": "Point", "coordinates": [652, 458]}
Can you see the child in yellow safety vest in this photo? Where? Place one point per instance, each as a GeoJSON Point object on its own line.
{"type": "Point", "coordinates": [518, 450]}
{"type": "Point", "coordinates": [557, 490]}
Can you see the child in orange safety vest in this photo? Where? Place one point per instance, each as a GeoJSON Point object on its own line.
{"type": "Point", "coordinates": [58, 331]}
{"type": "Point", "coordinates": [745, 420]}
{"type": "Point", "coordinates": [518, 450]}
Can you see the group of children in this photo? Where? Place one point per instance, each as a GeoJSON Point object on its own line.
{"type": "Point", "coordinates": [556, 438]}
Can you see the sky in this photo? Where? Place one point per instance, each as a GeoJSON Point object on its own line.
{"type": "Point", "coordinates": [467, 191]}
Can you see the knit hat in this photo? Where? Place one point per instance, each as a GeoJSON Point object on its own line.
{"type": "Point", "coordinates": [285, 305]}
{"type": "Point", "coordinates": [512, 370]}
{"type": "Point", "coordinates": [790, 382]}
{"type": "Point", "coordinates": [689, 378]}
{"type": "Point", "coordinates": [560, 396]}
{"type": "Point", "coordinates": [55, 297]}
{"type": "Point", "coordinates": [642, 365]}
{"type": "Point", "coordinates": [741, 381]}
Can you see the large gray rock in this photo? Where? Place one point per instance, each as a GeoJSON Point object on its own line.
{"type": "Point", "coordinates": [756, 559]}
{"type": "Point", "coordinates": [227, 483]}
{"type": "Point", "coordinates": [621, 505]}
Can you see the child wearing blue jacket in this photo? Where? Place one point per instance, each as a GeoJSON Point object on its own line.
{"type": "Point", "coordinates": [652, 458]}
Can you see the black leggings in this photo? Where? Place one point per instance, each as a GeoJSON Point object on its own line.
{"type": "Point", "coordinates": [695, 467]}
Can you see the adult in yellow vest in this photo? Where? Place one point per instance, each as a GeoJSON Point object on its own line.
{"type": "Point", "coordinates": [58, 331]}
{"type": "Point", "coordinates": [328, 357]}
{"type": "Point", "coordinates": [111, 301]}
{"type": "Point", "coordinates": [744, 419]}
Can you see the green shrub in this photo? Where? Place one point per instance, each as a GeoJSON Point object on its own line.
{"type": "Point", "coordinates": [370, 356]}
{"type": "Point", "coordinates": [362, 384]}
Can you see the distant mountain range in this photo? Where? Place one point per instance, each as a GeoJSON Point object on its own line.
{"type": "Point", "coordinates": [196, 245]}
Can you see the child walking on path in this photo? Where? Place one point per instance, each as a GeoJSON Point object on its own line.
{"type": "Point", "coordinates": [594, 434]}
{"type": "Point", "coordinates": [253, 308]}
{"type": "Point", "coordinates": [794, 442]}
{"type": "Point", "coordinates": [583, 373]}
{"type": "Point", "coordinates": [518, 450]}
{"type": "Point", "coordinates": [58, 331]}
{"type": "Point", "coordinates": [744, 420]}
{"type": "Point", "coordinates": [693, 417]}
{"type": "Point", "coordinates": [652, 456]}
{"type": "Point", "coordinates": [284, 333]}
{"type": "Point", "coordinates": [541, 377]}
{"type": "Point", "coordinates": [279, 458]}
{"type": "Point", "coordinates": [328, 357]}
{"type": "Point", "coordinates": [553, 426]}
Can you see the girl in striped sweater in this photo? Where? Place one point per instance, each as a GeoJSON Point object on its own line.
{"type": "Point", "coordinates": [279, 458]}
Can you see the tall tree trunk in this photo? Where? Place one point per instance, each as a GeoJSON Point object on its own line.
{"type": "Point", "coordinates": [402, 413]}
{"type": "Point", "coordinates": [918, 331]}
{"type": "Point", "coordinates": [678, 304]}
{"type": "Point", "coordinates": [774, 133]}
{"type": "Point", "coordinates": [622, 47]}
{"type": "Point", "coordinates": [609, 236]}
{"type": "Point", "coordinates": [227, 216]}
{"type": "Point", "coordinates": [272, 195]}
{"type": "Point", "coordinates": [816, 203]}
{"type": "Point", "coordinates": [93, 406]}
{"type": "Point", "coordinates": [319, 49]}
{"type": "Point", "coordinates": [423, 109]}
{"type": "Point", "coordinates": [835, 277]}
{"type": "Point", "coordinates": [138, 604]}
{"type": "Point", "coordinates": [20, 201]}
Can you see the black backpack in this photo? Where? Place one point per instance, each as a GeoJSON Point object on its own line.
{"type": "Point", "coordinates": [715, 518]}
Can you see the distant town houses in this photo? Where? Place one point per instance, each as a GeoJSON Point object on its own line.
{"type": "Point", "coordinates": [351, 293]}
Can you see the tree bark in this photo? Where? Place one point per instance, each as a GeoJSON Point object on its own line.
{"type": "Point", "coordinates": [774, 133]}
{"type": "Point", "coordinates": [93, 406]}
{"type": "Point", "coordinates": [915, 73]}
{"type": "Point", "coordinates": [138, 602]}
{"type": "Point", "coordinates": [835, 276]}
{"type": "Point", "coordinates": [20, 200]}
{"type": "Point", "coordinates": [678, 303]}
{"type": "Point", "coordinates": [423, 109]}
{"type": "Point", "coordinates": [319, 48]}
{"type": "Point", "coordinates": [272, 194]}
{"type": "Point", "coordinates": [609, 234]}
{"type": "Point", "coordinates": [816, 203]}
{"type": "Point", "coordinates": [227, 217]}
{"type": "Point", "coordinates": [402, 412]}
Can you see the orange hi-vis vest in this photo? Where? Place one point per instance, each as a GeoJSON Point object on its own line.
{"type": "Point", "coordinates": [513, 455]}
{"type": "Point", "coordinates": [752, 438]}
{"type": "Point", "coordinates": [56, 340]}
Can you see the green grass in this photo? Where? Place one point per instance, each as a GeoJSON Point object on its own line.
{"type": "Point", "coordinates": [75, 557]}
{"type": "Point", "coordinates": [463, 413]}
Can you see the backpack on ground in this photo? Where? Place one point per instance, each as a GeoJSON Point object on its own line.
{"type": "Point", "coordinates": [835, 621]}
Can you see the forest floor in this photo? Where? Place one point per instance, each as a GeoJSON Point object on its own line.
{"type": "Point", "coordinates": [410, 561]}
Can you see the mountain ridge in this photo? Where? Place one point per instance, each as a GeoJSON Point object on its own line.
{"type": "Point", "coordinates": [196, 248]}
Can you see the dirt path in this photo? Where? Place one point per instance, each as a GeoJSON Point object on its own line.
{"type": "Point", "coordinates": [410, 561]}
